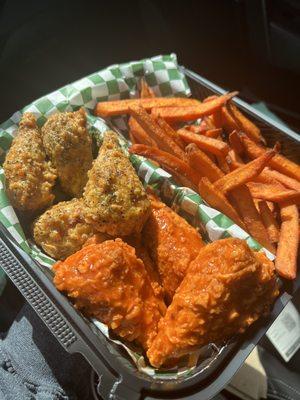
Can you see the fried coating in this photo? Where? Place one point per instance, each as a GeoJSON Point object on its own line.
{"type": "Point", "coordinates": [142, 253]}
{"type": "Point", "coordinates": [108, 282]}
{"type": "Point", "coordinates": [116, 200]}
{"type": "Point", "coordinates": [69, 147]}
{"type": "Point", "coordinates": [172, 244]}
{"type": "Point", "coordinates": [29, 176]}
{"type": "Point", "coordinates": [226, 288]}
{"type": "Point", "coordinates": [62, 230]}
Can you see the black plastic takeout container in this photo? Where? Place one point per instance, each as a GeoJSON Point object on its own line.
{"type": "Point", "coordinates": [118, 377]}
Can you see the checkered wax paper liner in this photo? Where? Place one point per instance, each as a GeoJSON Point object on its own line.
{"type": "Point", "coordinates": [119, 82]}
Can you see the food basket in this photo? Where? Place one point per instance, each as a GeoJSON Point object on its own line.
{"type": "Point", "coordinates": [119, 378]}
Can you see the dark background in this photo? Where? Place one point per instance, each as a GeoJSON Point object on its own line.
{"type": "Point", "coordinates": [249, 45]}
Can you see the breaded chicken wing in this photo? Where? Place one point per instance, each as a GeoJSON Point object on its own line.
{"type": "Point", "coordinates": [29, 176]}
{"type": "Point", "coordinates": [172, 244]}
{"type": "Point", "coordinates": [69, 147]}
{"type": "Point", "coordinates": [142, 253]}
{"type": "Point", "coordinates": [108, 282]}
{"type": "Point", "coordinates": [116, 200]}
{"type": "Point", "coordinates": [226, 288]}
{"type": "Point", "coordinates": [62, 230]}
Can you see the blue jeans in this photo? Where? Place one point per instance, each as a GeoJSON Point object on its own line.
{"type": "Point", "coordinates": [34, 366]}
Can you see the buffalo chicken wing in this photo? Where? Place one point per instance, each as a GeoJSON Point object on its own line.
{"type": "Point", "coordinates": [172, 244]}
{"type": "Point", "coordinates": [108, 282]}
{"type": "Point", "coordinates": [226, 288]}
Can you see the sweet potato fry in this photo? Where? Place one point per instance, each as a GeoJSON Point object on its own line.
{"type": "Point", "coordinates": [245, 125]}
{"type": "Point", "coordinates": [245, 173]}
{"type": "Point", "coordinates": [283, 179]}
{"type": "Point", "coordinates": [286, 257]}
{"type": "Point", "coordinates": [202, 128]}
{"type": "Point", "coordinates": [152, 128]}
{"type": "Point", "coordinates": [217, 200]}
{"type": "Point", "coordinates": [217, 118]}
{"type": "Point", "coordinates": [211, 156]}
{"type": "Point", "coordinates": [269, 221]}
{"type": "Point", "coordinates": [214, 146]}
{"type": "Point", "coordinates": [226, 121]}
{"type": "Point", "coordinates": [223, 165]}
{"type": "Point", "coordinates": [203, 124]}
{"type": "Point", "coordinates": [210, 124]}
{"type": "Point", "coordinates": [139, 134]}
{"type": "Point", "coordinates": [199, 161]}
{"type": "Point", "coordinates": [213, 133]}
{"type": "Point", "coordinates": [170, 132]}
{"type": "Point", "coordinates": [173, 114]}
{"type": "Point", "coordinates": [233, 160]}
{"type": "Point", "coordinates": [243, 202]}
{"type": "Point", "coordinates": [145, 90]}
{"type": "Point", "coordinates": [279, 163]}
{"type": "Point", "coordinates": [235, 142]}
{"type": "Point", "coordinates": [209, 98]}
{"type": "Point", "coordinates": [119, 107]}
{"type": "Point", "coordinates": [222, 160]}
{"type": "Point", "coordinates": [222, 118]}
{"type": "Point", "coordinates": [264, 177]}
{"type": "Point", "coordinates": [272, 176]}
{"type": "Point", "coordinates": [182, 171]}
{"type": "Point", "coordinates": [131, 137]}
{"type": "Point", "coordinates": [273, 192]}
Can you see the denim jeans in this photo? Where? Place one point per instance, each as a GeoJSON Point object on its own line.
{"type": "Point", "coordinates": [34, 366]}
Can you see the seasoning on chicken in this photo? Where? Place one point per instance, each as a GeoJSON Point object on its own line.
{"type": "Point", "coordinates": [29, 176]}
{"type": "Point", "coordinates": [172, 244]}
{"type": "Point", "coordinates": [62, 230]}
{"type": "Point", "coordinates": [69, 147]}
{"type": "Point", "coordinates": [116, 201]}
{"type": "Point", "coordinates": [226, 288]}
{"type": "Point", "coordinates": [108, 282]}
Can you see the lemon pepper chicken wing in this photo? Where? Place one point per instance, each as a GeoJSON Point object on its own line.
{"type": "Point", "coordinates": [29, 176]}
{"type": "Point", "coordinates": [172, 244]}
{"type": "Point", "coordinates": [227, 287]}
{"type": "Point", "coordinates": [69, 147]}
{"type": "Point", "coordinates": [108, 282]}
{"type": "Point", "coordinates": [62, 230]}
{"type": "Point", "coordinates": [116, 201]}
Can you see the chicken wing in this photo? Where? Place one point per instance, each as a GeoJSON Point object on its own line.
{"type": "Point", "coordinates": [108, 282]}
{"type": "Point", "coordinates": [226, 288]}
{"type": "Point", "coordinates": [62, 230]}
{"type": "Point", "coordinates": [69, 147]}
{"type": "Point", "coordinates": [142, 253]}
{"type": "Point", "coordinates": [172, 244]}
{"type": "Point", "coordinates": [116, 200]}
{"type": "Point", "coordinates": [29, 176]}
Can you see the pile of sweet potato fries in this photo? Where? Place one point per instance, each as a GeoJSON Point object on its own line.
{"type": "Point", "coordinates": [211, 147]}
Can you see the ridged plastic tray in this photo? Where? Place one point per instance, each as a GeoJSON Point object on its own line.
{"type": "Point", "coordinates": [118, 377]}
